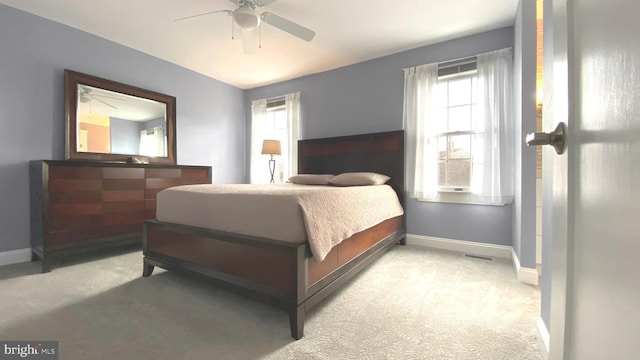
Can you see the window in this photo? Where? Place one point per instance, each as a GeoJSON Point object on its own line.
{"type": "Point", "coordinates": [457, 103]}
{"type": "Point", "coordinates": [153, 141]}
{"type": "Point", "coordinates": [459, 130]}
{"type": "Point", "coordinates": [275, 119]}
{"type": "Point", "coordinates": [276, 129]}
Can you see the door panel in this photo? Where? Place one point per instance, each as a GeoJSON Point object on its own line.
{"type": "Point", "coordinates": [594, 308]}
{"type": "Point", "coordinates": [555, 167]}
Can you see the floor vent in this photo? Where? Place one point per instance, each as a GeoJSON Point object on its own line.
{"type": "Point", "coordinates": [479, 257]}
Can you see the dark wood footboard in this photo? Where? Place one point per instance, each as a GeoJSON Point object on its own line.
{"type": "Point", "coordinates": [280, 273]}
{"type": "Point", "coordinates": [257, 264]}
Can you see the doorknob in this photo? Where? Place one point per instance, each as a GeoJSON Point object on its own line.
{"type": "Point", "coordinates": [554, 138]}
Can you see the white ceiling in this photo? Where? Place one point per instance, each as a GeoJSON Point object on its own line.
{"type": "Point", "coordinates": [347, 31]}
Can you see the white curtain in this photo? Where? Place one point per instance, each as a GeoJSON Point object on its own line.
{"type": "Point", "coordinates": [493, 162]}
{"type": "Point", "coordinates": [153, 142]}
{"type": "Point", "coordinates": [493, 169]}
{"type": "Point", "coordinates": [419, 114]}
{"type": "Point", "coordinates": [258, 173]}
{"type": "Point", "coordinates": [292, 106]}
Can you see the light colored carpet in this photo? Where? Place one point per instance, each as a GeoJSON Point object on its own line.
{"type": "Point", "coordinates": [413, 303]}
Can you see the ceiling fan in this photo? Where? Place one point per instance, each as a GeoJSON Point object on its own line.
{"type": "Point", "coordinates": [86, 95]}
{"type": "Point", "coordinates": [249, 20]}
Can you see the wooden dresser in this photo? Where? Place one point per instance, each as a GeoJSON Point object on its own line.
{"type": "Point", "coordinates": [80, 206]}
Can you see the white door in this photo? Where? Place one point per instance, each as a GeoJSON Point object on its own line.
{"type": "Point", "coordinates": [595, 287]}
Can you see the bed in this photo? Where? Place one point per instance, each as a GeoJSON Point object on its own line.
{"type": "Point", "coordinates": [288, 274]}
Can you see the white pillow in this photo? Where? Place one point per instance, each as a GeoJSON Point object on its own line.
{"type": "Point", "coordinates": [311, 179]}
{"type": "Point", "coordinates": [358, 179]}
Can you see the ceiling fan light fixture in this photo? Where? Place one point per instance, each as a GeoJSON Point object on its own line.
{"type": "Point", "coordinates": [246, 17]}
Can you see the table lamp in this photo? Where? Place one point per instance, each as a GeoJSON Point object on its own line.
{"type": "Point", "coordinates": [271, 147]}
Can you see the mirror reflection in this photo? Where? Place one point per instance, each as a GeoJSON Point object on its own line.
{"type": "Point", "coordinates": [110, 122]}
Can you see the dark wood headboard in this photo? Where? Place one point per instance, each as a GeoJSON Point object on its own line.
{"type": "Point", "coordinates": [376, 152]}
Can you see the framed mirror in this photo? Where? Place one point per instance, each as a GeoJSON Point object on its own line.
{"type": "Point", "coordinates": [115, 122]}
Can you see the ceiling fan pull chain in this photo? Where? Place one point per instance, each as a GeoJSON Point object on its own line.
{"type": "Point", "coordinates": [260, 36]}
{"type": "Point", "coordinates": [232, 27]}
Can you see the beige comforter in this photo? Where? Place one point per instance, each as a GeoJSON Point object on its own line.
{"type": "Point", "coordinates": [323, 215]}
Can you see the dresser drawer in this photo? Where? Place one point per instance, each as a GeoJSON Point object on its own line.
{"type": "Point", "coordinates": [162, 183]}
{"type": "Point", "coordinates": [196, 174]}
{"type": "Point", "coordinates": [73, 185]}
{"type": "Point", "coordinates": [163, 173]}
{"type": "Point", "coordinates": [75, 172]}
{"type": "Point", "coordinates": [123, 184]}
{"type": "Point", "coordinates": [123, 173]}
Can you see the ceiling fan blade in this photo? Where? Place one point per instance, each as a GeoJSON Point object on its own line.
{"type": "Point", "coordinates": [249, 40]}
{"type": "Point", "coordinates": [228, 12]}
{"type": "Point", "coordinates": [105, 97]}
{"type": "Point", "coordinates": [261, 3]}
{"type": "Point", "coordinates": [106, 103]}
{"type": "Point", "coordinates": [288, 26]}
{"type": "Point", "coordinates": [253, 3]}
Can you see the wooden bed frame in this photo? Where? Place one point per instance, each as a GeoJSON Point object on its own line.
{"type": "Point", "coordinates": [281, 273]}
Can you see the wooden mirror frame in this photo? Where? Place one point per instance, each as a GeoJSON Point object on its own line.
{"type": "Point", "coordinates": [71, 81]}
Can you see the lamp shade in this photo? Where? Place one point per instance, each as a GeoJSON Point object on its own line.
{"type": "Point", "coordinates": [271, 147]}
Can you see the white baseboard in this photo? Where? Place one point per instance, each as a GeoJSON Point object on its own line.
{"type": "Point", "coordinates": [15, 256]}
{"type": "Point", "coordinates": [524, 275]}
{"type": "Point", "coordinates": [543, 339]}
{"type": "Point", "coordinates": [467, 247]}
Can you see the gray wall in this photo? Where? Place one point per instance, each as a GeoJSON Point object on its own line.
{"type": "Point", "coordinates": [524, 205]}
{"type": "Point", "coordinates": [34, 54]}
{"type": "Point", "coordinates": [367, 97]}
{"type": "Point", "coordinates": [125, 136]}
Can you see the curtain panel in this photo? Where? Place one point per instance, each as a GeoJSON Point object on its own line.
{"type": "Point", "coordinates": [419, 113]}
{"type": "Point", "coordinates": [495, 138]}
{"type": "Point", "coordinates": [258, 174]}
{"type": "Point", "coordinates": [292, 105]}
{"type": "Point", "coordinates": [153, 142]}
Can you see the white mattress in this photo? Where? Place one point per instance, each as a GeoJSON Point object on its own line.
{"type": "Point", "coordinates": [322, 215]}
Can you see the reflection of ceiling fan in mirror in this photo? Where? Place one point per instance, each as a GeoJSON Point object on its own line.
{"type": "Point", "coordinates": [86, 95]}
{"type": "Point", "coordinates": [249, 20]}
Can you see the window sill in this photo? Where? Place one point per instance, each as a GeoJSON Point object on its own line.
{"type": "Point", "coordinates": [462, 198]}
